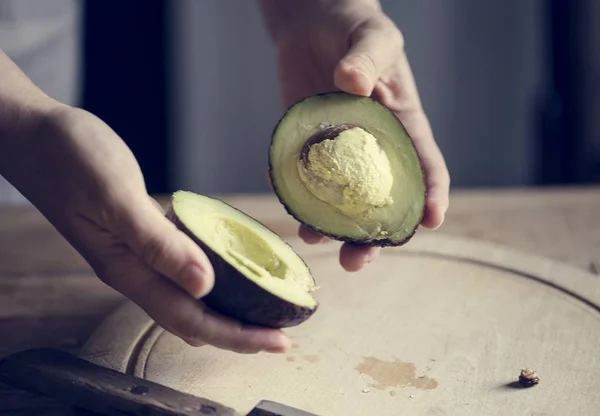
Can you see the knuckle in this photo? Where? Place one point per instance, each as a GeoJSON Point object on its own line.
{"type": "Point", "coordinates": [243, 342]}
{"type": "Point", "coordinates": [367, 61]}
{"type": "Point", "coordinates": [391, 31]}
{"type": "Point", "coordinates": [397, 36]}
{"type": "Point", "coordinates": [194, 331]}
{"type": "Point", "coordinates": [400, 41]}
{"type": "Point", "coordinates": [155, 249]}
{"type": "Point", "coordinates": [243, 347]}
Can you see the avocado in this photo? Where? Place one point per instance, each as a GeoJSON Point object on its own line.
{"type": "Point", "coordinates": [259, 278]}
{"type": "Point", "coordinates": [344, 166]}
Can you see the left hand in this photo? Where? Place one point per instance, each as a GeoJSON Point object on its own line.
{"type": "Point", "coordinates": [360, 50]}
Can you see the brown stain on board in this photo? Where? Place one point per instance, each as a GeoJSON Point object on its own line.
{"type": "Point", "coordinates": [291, 358]}
{"type": "Point", "coordinates": [394, 374]}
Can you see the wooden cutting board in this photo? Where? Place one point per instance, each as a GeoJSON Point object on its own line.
{"type": "Point", "coordinates": [441, 326]}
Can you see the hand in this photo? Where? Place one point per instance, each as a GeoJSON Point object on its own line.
{"type": "Point", "coordinates": [356, 48]}
{"type": "Point", "coordinates": [85, 180]}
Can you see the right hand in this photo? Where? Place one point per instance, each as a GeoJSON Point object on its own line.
{"type": "Point", "coordinates": [83, 178]}
{"type": "Point", "coordinates": [353, 46]}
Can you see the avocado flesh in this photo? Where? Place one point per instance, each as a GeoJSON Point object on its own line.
{"type": "Point", "coordinates": [349, 171]}
{"type": "Point", "coordinates": [390, 223]}
{"type": "Point", "coordinates": [259, 278]}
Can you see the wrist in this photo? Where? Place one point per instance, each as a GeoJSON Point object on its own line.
{"type": "Point", "coordinates": [286, 18]}
{"type": "Point", "coordinates": [21, 125]}
{"type": "Point", "coordinates": [22, 105]}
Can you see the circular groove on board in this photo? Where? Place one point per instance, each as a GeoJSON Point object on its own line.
{"type": "Point", "coordinates": [485, 254]}
{"type": "Point", "coordinates": [565, 282]}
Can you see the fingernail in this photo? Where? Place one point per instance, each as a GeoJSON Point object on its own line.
{"type": "Point", "coordinates": [284, 345]}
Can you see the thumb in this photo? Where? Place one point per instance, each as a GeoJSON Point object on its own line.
{"type": "Point", "coordinates": [165, 249]}
{"type": "Point", "coordinates": [372, 51]}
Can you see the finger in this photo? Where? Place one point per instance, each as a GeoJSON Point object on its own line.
{"type": "Point", "coordinates": [309, 236]}
{"type": "Point", "coordinates": [398, 92]}
{"type": "Point", "coordinates": [437, 177]}
{"type": "Point", "coordinates": [438, 185]}
{"type": "Point", "coordinates": [165, 249]}
{"type": "Point", "coordinates": [354, 257]}
{"type": "Point", "coordinates": [157, 205]}
{"type": "Point", "coordinates": [373, 50]}
{"type": "Point", "coordinates": [312, 237]}
{"type": "Point", "coordinates": [187, 318]}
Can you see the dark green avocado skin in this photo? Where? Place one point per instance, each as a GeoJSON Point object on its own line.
{"type": "Point", "coordinates": [372, 243]}
{"type": "Point", "coordinates": [237, 297]}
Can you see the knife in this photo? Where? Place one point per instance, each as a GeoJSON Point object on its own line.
{"type": "Point", "coordinates": [88, 386]}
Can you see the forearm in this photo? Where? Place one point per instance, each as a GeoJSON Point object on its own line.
{"type": "Point", "coordinates": [21, 104]}
{"type": "Point", "coordinates": [286, 16]}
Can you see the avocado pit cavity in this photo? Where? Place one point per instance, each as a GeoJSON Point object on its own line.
{"type": "Point", "coordinates": [259, 278]}
{"type": "Point", "coordinates": [345, 167]}
{"type": "Point", "coordinates": [250, 250]}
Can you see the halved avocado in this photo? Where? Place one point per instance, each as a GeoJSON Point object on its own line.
{"type": "Point", "coordinates": [259, 278]}
{"type": "Point", "coordinates": [344, 166]}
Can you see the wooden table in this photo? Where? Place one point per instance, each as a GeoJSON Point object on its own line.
{"type": "Point", "coordinates": [50, 298]}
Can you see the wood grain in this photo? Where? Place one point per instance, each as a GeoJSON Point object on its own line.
{"type": "Point", "coordinates": [30, 245]}
{"type": "Point", "coordinates": [63, 295]}
{"type": "Point", "coordinates": [562, 224]}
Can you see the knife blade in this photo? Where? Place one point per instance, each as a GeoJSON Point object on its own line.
{"type": "Point", "coordinates": [100, 390]}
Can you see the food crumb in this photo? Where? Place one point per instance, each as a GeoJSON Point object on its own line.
{"type": "Point", "coordinates": [366, 390]}
{"type": "Point", "coordinates": [412, 396]}
{"type": "Point", "coordinates": [528, 377]}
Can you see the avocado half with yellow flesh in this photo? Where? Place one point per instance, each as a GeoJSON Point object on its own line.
{"type": "Point", "coordinates": [259, 278]}
{"type": "Point", "coordinates": [344, 166]}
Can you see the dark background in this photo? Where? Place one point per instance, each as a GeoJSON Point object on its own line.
{"type": "Point", "coordinates": [126, 84]}
{"type": "Point", "coordinates": [126, 78]}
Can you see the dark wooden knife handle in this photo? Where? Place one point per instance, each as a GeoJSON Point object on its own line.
{"type": "Point", "coordinates": [83, 384]}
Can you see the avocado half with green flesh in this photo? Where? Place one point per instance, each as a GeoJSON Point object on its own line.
{"type": "Point", "coordinates": [344, 166]}
{"type": "Point", "coordinates": [259, 278]}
